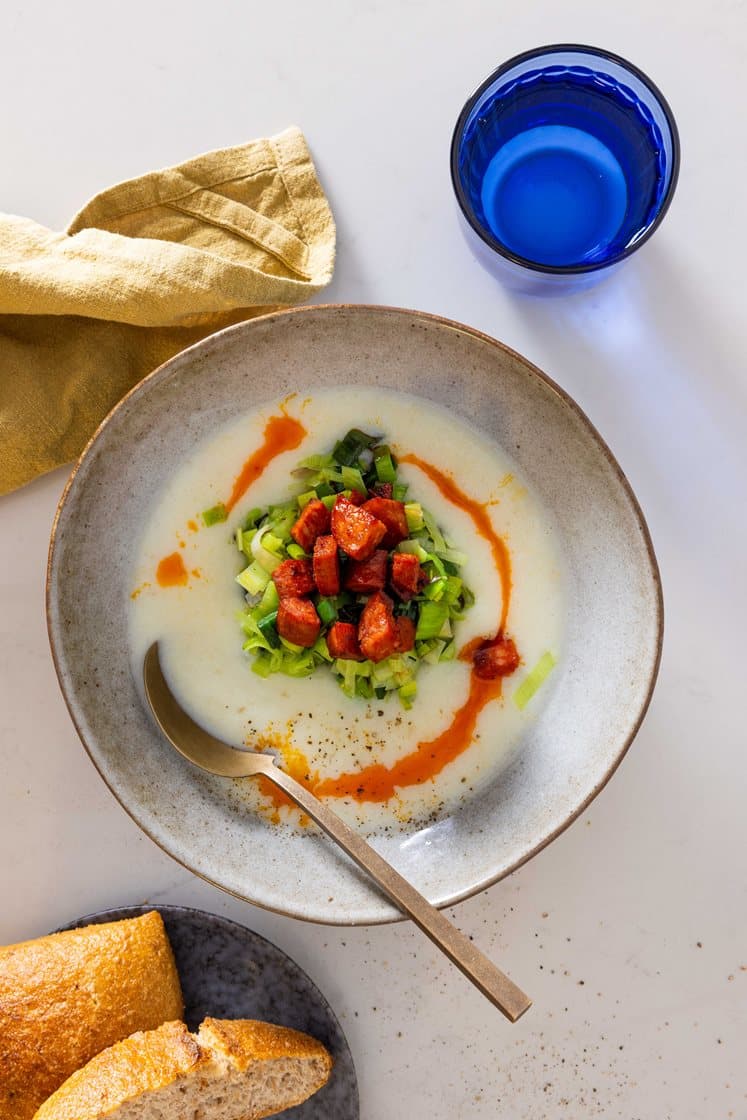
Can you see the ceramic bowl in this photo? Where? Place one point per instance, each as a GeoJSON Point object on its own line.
{"type": "Point", "coordinates": [614, 609]}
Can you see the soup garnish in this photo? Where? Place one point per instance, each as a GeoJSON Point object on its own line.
{"type": "Point", "coordinates": [351, 575]}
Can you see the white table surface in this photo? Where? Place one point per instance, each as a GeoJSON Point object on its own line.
{"type": "Point", "coordinates": [630, 931]}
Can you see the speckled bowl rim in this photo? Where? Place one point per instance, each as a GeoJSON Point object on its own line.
{"type": "Point", "coordinates": [553, 387]}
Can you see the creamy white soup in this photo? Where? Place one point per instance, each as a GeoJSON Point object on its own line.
{"type": "Point", "coordinates": [320, 732]}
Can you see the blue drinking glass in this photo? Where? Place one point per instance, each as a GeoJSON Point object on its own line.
{"type": "Point", "coordinates": [564, 162]}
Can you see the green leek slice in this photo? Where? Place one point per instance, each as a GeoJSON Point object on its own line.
{"type": "Point", "coordinates": [384, 464]}
{"type": "Point", "coordinates": [215, 514]}
{"type": "Point", "coordinates": [431, 620]}
{"type": "Point", "coordinates": [253, 579]}
{"type": "Point", "coordinates": [534, 679]}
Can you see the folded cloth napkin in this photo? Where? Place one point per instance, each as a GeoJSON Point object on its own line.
{"type": "Point", "coordinates": [145, 269]}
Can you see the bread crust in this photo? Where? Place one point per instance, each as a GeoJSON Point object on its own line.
{"type": "Point", "coordinates": [244, 1041]}
{"type": "Point", "coordinates": [145, 1061]}
{"type": "Point", "coordinates": [67, 996]}
{"type": "Point", "coordinates": [153, 1060]}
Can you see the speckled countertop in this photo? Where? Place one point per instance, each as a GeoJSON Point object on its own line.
{"type": "Point", "coordinates": [629, 930]}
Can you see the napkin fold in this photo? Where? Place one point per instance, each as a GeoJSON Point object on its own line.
{"type": "Point", "coordinates": [146, 268]}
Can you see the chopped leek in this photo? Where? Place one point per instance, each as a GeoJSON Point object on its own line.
{"type": "Point", "coordinates": [407, 693]}
{"type": "Point", "coordinates": [439, 544]}
{"type": "Point", "coordinates": [247, 536]}
{"type": "Point", "coordinates": [431, 619]}
{"type": "Point", "coordinates": [349, 449]}
{"type": "Point", "coordinates": [352, 479]}
{"type": "Point", "coordinates": [433, 656]}
{"type": "Point", "coordinates": [452, 556]}
{"type": "Point", "coordinates": [266, 559]}
{"type": "Point", "coordinates": [268, 628]}
{"type": "Point", "coordinates": [436, 588]}
{"type": "Point", "coordinates": [253, 579]}
{"type": "Point", "coordinates": [415, 548]}
{"type": "Point", "coordinates": [434, 561]}
{"type": "Point", "coordinates": [304, 499]}
{"type": "Point", "coordinates": [414, 515]}
{"type": "Point", "coordinates": [359, 462]}
{"type": "Point", "coordinates": [364, 688]}
{"type": "Point", "coordinates": [282, 521]}
{"type": "Point", "coordinates": [446, 630]}
{"type": "Point", "coordinates": [384, 465]}
{"type": "Point", "coordinates": [215, 514]}
{"type": "Point", "coordinates": [453, 589]}
{"type": "Point", "coordinates": [534, 679]}
{"type": "Point", "coordinates": [262, 665]}
{"type": "Point", "coordinates": [316, 462]}
{"type": "Point", "coordinates": [272, 543]}
{"type": "Point", "coordinates": [270, 600]}
{"type": "Point", "coordinates": [326, 610]}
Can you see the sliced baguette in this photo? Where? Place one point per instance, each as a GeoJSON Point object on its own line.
{"type": "Point", "coordinates": [65, 997]}
{"type": "Point", "coordinates": [231, 1070]}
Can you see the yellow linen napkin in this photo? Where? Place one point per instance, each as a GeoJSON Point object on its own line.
{"type": "Point", "coordinates": [145, 269]}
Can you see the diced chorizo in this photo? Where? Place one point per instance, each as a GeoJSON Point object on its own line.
{"type": "Point", "coordinates": [377, 631]}
{"type": "Point", "coordinates": [407, 577]}
{"type": "Point", "coordinates": [497, 659]}
{"type": "Point", "coordinates": [342, 641]}
{"type": "Point", "coordinates": [405, 634]}
{"type": "Point", "coordinates": [357, 532]}
{"type": "Point", "coordinates": [382, 490]}
{"type": "Point", "coordinates": [298, 621]}
{"type": "Point", "coordinates": [313, 521]}
{"type": "Point", "coordinates": [367, 575]}
{"type": "Point", "coordinates": [293, 578]}
{"type": "Point", "coordinates": [392, 515]}
{"type": "Point", "coordinates": [326, 563]}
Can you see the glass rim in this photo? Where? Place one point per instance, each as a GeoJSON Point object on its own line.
{"type": "Point", "coordinates": [485, 235]}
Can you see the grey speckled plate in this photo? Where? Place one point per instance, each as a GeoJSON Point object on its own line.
{"type": "Point", "coordinates": [228, 972]}
{"type": "Point", "coordinates": [601, 687]}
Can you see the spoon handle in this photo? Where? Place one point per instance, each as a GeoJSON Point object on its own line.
{"type": "Point", "coordinates": [493, 983]}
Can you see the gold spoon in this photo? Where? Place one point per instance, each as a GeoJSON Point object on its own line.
{"type": "Point", "coordinates": [210, 754]}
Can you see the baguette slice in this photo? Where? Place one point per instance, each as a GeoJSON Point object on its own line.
{"type": "Point", "coordinates": [65, 997]}
{"type": "Point", "coordinates": [231, 1070]}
